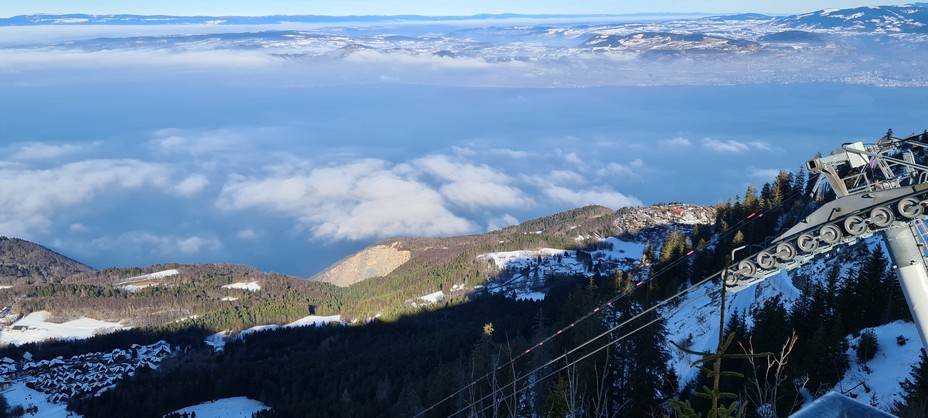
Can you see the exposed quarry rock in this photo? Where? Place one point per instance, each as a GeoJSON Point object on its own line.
{"type": "Point", "coordinates": [375, 261]}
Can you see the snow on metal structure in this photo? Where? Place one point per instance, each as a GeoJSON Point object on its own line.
{"type": "Point", "coordinates": [879, 188]}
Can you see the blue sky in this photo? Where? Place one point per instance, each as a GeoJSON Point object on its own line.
{"type": "Point", "coordinates": [423, 7]}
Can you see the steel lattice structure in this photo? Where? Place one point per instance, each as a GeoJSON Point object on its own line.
{"type": "Point", "coordinates": [879, 188]}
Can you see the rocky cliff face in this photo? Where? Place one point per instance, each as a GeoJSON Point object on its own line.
{"type": "Point", "coordinates": [634, 220]}
{"type": "Point", "coordinates": [376, 261]}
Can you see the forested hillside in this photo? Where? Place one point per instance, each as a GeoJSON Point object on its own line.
{"type": "Point", "coordinates": [597, 344]}
{"type": "Point", "coordinates": [26, 262]}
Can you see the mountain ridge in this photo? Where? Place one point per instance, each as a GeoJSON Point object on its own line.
{"type": "Point", "coordinates": [71, 19]}
{"type": "Point", "coordinates": [21, 259]}
{"type": "Point", "coordinates": [573, 228]}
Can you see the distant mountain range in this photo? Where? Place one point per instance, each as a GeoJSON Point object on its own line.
{"type": "Point", "coordinates": [129, 19]}
{"type": "Point", "coordinates": [877, 45]}
{"type": "Point", "coordinates": [888, 19]}
{"type": "Point", "coordinates": [880, 19]}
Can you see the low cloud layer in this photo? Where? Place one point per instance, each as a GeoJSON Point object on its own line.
{"type": "Point", "coordinates": [358, 200]}
{"type": "Point", "coordinates": [32, 197]}
{"type": "Point", "coordinates": [433, 195]}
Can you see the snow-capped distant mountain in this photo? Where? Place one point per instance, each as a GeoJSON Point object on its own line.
{"type": "Point", "coordinates": [127, 19]}
{"type": "Point", "coordinates": [672, 42]}
{"type": "Point", "coordinates": [875, 19]}
{"type": "Point", "coordinates": [870, 45]}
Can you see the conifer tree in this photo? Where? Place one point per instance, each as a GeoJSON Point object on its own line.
{"type": "Point", "coordinates": [643, 378]}
{"type": "Point", "coordinates": [915, 391]}
{"type": "Point", "coordinates": [865, 296]}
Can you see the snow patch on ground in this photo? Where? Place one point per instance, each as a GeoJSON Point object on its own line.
{"type": "Point", "coordinates": [136, 288]}
{"type": "Point", "coordinates": [524, 274]}
{"type": "Point", "coordinates": [218, 340]}
{"type": "Point", "coordinates": [252, 286]}
{"type": "Point", "coordinates": [156, 275]}
{"type": "Point", "coordinates": [20, 394]}
{"type": "Point", "coordinates": [433, 297]}
{"type": "Point", "coordinates": [237, 407]}
{"type": "Point", "coordinates": [531, 296]}
{"type": "Point", "coordinates": [39, 329]}
{"type": "Point", "coordinates": [877, 381]}
{"type": "Point", "coordinates": [229, 299]}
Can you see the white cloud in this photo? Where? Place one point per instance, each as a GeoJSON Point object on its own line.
{"type": "Point", "coordinates": [78, 227]}
{"type": "Point", "coordinates": [501, 222]}
{"type": "Point", "coordinates": [23, 59]}
{"type": "Point", "coordinates": [579, 198]}
{"type": "Point", "coordinates": [472, 194]}
{"type": "Point", "coordinates": [678, 142]}
{"type": "Point", "coordinates": [40, 151]}
{"type": "Point", "coordinates": [160, 245]}
{"type": "Point", "coordinates": [764, 173]}
{"type": "Point", "coordinates": [177, 141]}
{"type": "Point", "coordinates": [247, 234]}
{"type": "Point", "coordinates": [725, 145]}
{"type": "Point", "coordinates": [463, 151]}
{"type": "Point", "coordinates": [31, 197]}
{"type": "Point", "coordinates": [472, 186]}
{"type": "Point", "coordinates": [192, 185]}
{"type": "Point", "coordinates": [442, 167]}
{"type": "Point", "coordinates": [564, 177]}
{"type": "Point", "coordinates": [760, 145]}
{"type": "Point", "coordinates": [632, 169]}
{"type": "Point", "coordinates": [429, 61]}
{"type": "Point", "coordinates": [511, 153]}
{"type": "Point", "coordinates": [732, 146]}
{"type": "Point", "coordinates": [193, 245]}
{"type": "Point", "coordinates": [362, 199]}
{"type": "Point", "coordinates": [573, 158]}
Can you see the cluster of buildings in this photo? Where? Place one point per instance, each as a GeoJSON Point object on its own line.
{"type": "Point", "coordinates": [86, 374]}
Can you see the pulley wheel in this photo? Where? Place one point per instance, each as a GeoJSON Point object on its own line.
{"type": "Point", "coordinates": [882, 217]}
{"type": "Point", "coordinates": [909, 208]}
{"type": "Point", "coordinates": [786, 251]}
{"type": "Point", "coordinates": [855, 225]}
{"type": "Point", "coordinates": [746, 268]}
{"type": "Point", "coordinates": [829, 234]}
{"type": "Point", "coordinates": [731, 279]}
{"type": "Point", "coordinates": [765, 260]}
{"type": "Point", "coordinates": [807, 243]}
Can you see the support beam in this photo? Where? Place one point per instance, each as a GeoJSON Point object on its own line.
{"type": "Point", "coordinates": [913, 276]}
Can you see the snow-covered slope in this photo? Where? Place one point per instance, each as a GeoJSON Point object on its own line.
{"type": "Point", "coordinates": [694, 323]}
{"type": "Point", "coordinates": [35, 328]}
{"type": "Point", "coordinates": [873, 19]}
{"type": "Point", "coordinates": [237, 407]}
{"type": "Point", "coordinates": [156, 275]}
{"type": "Point", "coordinates": [218, 340]}
{"type": "Point", "coordinates": [252, 286]}
{"type": "Point", "coordinates": [529, 272]}
{"type": "Point", "coordinates": [876, 382]}
{"type": "Point", "coordinates": [18, 394]}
